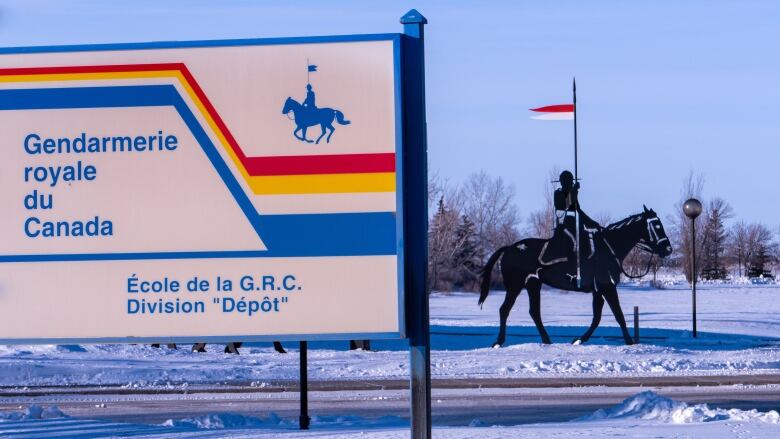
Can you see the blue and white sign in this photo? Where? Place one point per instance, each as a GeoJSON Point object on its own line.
{"type": "Point", "coordinates": [197, 191]}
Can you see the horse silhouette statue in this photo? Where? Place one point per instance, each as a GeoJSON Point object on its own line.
{"type": "Point", "coordinates": [522, 266]}
{"type": "Point", "coordinates": [306, 117]}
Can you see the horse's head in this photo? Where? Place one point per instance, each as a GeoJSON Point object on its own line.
{"type": "Point", "coordinates": [655, 240]}
{"type": "Point", "coordinates": [289, 105]}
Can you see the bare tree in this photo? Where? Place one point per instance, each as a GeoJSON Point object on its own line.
{"type": "Point", "coordinates": [436, 187]}
{"type": "Point", "coordinates": [738, 244]}
{"type": "Point", "coordinates": [541, 222]}
{"type": "Point", "coordinates": [693, 187]}
{"type": "Point", "coordinates": [752, 245]}
{"type": "Point", "coordinates": [489, 203]}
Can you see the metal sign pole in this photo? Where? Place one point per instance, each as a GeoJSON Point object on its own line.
{"type": "Point", "coordinates": [415, 182]}
{"type": "Point", "coordinates": [304, 419]}
{"type": "Point", "coordinates": [576, 180]}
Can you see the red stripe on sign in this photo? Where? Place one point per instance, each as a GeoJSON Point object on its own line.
{"type": "Point", "coordinates": [255, 166]}
{"type": "Point", "coordinates": [321, 164]}
{"type": "Point", "coordinates": [562, 108]}
{"type": "Point", "coordinates": [92, 69]}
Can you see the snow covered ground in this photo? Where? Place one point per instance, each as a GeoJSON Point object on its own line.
{"type": "Point", "coordinates": [739, 333]}
{"type": "Point", "coordinates": [645, 414]}
{"type": "Point", "coordinates": [739, 329]}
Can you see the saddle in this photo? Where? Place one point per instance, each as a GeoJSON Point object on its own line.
{"type": "Point", "coordinates": [597, 261]}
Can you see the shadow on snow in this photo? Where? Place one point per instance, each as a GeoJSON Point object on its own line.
{"type": "Point", "coordinates": [463, 338]}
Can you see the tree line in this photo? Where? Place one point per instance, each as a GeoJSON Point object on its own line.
{"type": "Point", "coordinates": [725, 245]}
{"type": "Point", "coordinates": [472, 219]}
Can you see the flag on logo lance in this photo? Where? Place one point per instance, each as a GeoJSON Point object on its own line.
{"type": "Point", "coordinates": [312, 68]}
{"type": "Point", "coordinates": [554, 112]}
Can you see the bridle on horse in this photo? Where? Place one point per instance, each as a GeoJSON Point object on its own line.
{"type": "Point", "coordinates": [653, 234]}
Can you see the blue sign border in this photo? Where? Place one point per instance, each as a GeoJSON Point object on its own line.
{"type": "Point", "coordinates": [379, 248]}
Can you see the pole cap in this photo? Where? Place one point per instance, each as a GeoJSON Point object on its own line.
{"type": "Point", "coordinates": [413, 16]}
{"type": "Point", "coordinates": [692, 208]}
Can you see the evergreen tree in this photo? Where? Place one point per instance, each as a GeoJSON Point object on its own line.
{"type": "Point", "coordinates": [441, 242]}
{"type": "Point", "coordinates": [714, 235]}
{"type": "Point", "coordinates": [466, 256]}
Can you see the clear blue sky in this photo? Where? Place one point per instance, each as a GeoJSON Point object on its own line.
{"type": "Point", "coordinates": [665, 87]}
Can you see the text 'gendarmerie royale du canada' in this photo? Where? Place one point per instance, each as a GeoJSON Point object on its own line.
{"type": "Point", "coordinates": [51, 175]}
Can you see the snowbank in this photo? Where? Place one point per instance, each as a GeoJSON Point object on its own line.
{"type": "Point", "coordinates": [225, 420]}
{"type": "Point", "coordinates": [33, 412]}
{"type": "Point", "coordinates": [650, 406]}
{"type": "Point", "coordinates": [221, 421]}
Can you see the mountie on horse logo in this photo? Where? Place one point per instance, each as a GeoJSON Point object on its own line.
{"type": "Point", "coordinates": [308, 114]}
{"type": "Point", "coordinates": [593, 264]}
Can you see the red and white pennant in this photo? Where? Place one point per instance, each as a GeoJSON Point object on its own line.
{"type": "Point", "coordinates": [554, 112]}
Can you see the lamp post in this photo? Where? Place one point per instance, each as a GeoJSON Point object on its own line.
{"type": "Point", "coordinates": [692, 209]}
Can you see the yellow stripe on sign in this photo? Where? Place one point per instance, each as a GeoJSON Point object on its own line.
{"type": "Point", "coordinates": [323, 183]}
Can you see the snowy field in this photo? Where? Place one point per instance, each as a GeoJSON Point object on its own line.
{"type": "Point", "coordinates": [739, 333]}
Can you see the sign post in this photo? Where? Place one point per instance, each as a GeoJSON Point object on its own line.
{"type": "Point", "coordinates": [416, 227]}
{"type": "Point", "coordinates": [303, 419]}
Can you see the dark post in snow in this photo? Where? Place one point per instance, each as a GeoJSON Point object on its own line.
{"type": "Point", "coordinates": [415, 182]}
{"type": "Point", "coordinates": [636, 325]}
{"type": "Point", "coordinates": [304, 419]}
{"type": "Point", "coordinates": [692, 209]}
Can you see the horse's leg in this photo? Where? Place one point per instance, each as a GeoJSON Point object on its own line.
{"type": "Point", "coordinates": [232, 348]}
{"type": "Point", "coordinates": [614, 304]}
{"type": "Point", "coordinates": [598, 306]}
{"type": "Point", "coordinates": [332, 129]}
{"type": "Point", "coordinates": [279, 348]}
{"type": "Point", "coordinates": [304, 135]}
{"type": "Point", "coordinates": [503, 312]}
{"type": "Point", "coordinates": [301, 138]}
{"type": "Point", "coordinates": [322, 134]}
{"type": "Point", "coordinates": [534, 287]}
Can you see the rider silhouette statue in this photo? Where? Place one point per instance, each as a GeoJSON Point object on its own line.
{"type": "Point", "coordinates": [309, 102]}
{"type": "Point", "coordinates": [562, 246]}
{"type": "Point", "coordinates": [532, 262]}
{"type": "Point", "coordinates": [581, 255]}
{"type": "Point", "coordinates": [307, 114]}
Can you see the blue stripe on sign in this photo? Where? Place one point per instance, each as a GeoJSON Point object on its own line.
{"type": "Point", "coordinates": [343, 234]}
{"type": "Point", "coordinates": [88, 97]}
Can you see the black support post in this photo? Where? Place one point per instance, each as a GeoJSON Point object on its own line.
{"type": "Point", "coordinates": [636, 324]}
{"type": "Point", "coordinates": [415, 182]}
{"type": "Point", "coordinates": [304, 419]}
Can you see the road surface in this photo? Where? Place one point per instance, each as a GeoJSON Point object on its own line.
{"type": "Point", "coordinates": [455, 402]}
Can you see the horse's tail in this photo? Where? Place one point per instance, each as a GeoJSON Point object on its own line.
{"type": "Point", "coordinates": [487, 272]}
{"type": "Point", "coordinates": [340, 118]}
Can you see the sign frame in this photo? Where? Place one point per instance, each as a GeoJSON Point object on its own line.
{"type": "Point", "coordinates": [401, 181]}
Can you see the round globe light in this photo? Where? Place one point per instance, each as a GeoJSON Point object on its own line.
{"type": "Point", "coordinates": [692, 208]}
